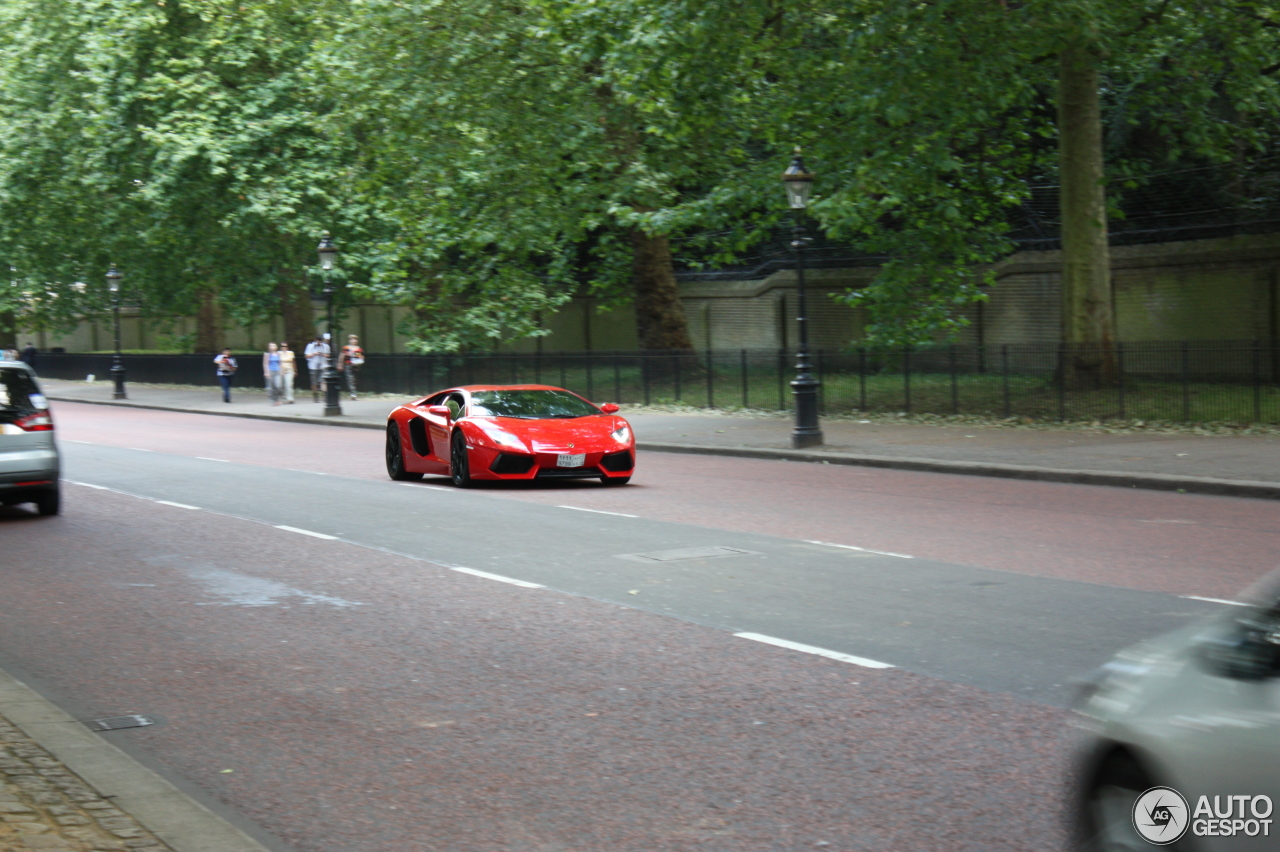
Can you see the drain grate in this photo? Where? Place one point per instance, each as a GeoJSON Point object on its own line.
{"type": "Point", "coordinates": [115, 723]}
{"type": "Point", "coordinates": [688, 553]}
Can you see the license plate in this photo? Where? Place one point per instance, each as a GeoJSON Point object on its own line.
{"type": "Point", "coordinates": [577, 460]}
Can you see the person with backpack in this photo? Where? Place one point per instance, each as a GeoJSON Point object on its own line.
{"type": "Point", "coordinates": [226, 370]}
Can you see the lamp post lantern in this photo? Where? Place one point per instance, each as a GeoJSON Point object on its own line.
{"type": "Point", "coordinates": [117, 369]}
{"type": "Point", "coordinates": [804, 388]}
{"type": "Point", "coordinates": [328, 252]}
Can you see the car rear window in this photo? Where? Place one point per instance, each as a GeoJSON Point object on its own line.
{"type": "Point", "coordinates": [18, 395]}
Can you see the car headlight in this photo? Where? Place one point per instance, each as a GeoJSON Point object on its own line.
{"type": "Point", "coordinates": [1110, 688]}
{"type": "Point", "coordinates": [622, 434]}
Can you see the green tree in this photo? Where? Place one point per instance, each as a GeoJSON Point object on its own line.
{"type": "Point", "coordinates": [493, 135]}
{"type": "Point", "coordinates": [177, 139]}
{"type": "Point", "coordinates": [927, 121]}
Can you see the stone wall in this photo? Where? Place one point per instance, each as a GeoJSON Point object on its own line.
{"type": "Point", "coordinates": [1226, 289]}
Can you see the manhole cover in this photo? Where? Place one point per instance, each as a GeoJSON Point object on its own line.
{"type": "Point", "coordinates": [688, 553]}
{"type": "Point", "coordinates": [115, 723]}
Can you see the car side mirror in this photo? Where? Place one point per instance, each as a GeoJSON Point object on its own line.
{"type": "Point", "coordinates": [439, 410]}
{"type": "Point", "coordinates": [1248, 651]}
{"type": "Point", "coordinates": [609, 408]}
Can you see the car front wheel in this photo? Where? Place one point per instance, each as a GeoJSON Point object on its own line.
{"type": "Point", "coordinates": [1106, 818]}
{"type": "Point", "coordinates": [459, 464]}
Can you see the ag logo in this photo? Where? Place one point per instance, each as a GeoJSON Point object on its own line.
{"type": "Point", "coordinates": [1160, 816]}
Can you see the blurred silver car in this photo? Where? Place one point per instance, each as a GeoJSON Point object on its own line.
{"type": "Point", "coordinates": [1181, 738]}
{"type": "Point", "coordinates": [29, 463]}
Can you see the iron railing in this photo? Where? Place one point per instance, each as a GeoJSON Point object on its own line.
{"type": "Point", "coordinates": [1233, 381]}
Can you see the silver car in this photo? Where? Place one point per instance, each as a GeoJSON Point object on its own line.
{"type": "Point", "coordinates": [29, 464]}
{"type": "Point", "coordinates": [1181, 738]}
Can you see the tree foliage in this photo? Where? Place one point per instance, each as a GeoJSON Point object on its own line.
{"type": "Point", "coordinates": [482, 162]}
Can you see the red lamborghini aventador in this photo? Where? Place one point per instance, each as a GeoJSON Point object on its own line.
{"type": "Point", "coordinates": [509, 432]}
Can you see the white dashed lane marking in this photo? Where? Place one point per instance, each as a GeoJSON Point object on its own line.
{"type": "Point", "coordinates": [598, 511]}
{"type": "Point", "coordinates": [524, 584]}
{"type": "Point", "coordinates": [860, 549]}
{"type": "Point", "coordinates": [811, 649]}
{"type": "Point", "coordinates": [1212, 600]}
{"type": "Point", "coordinates": [306, 532]}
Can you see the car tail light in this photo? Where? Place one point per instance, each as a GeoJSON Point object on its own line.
{"type": "Point", "coordinates": [40, 421]}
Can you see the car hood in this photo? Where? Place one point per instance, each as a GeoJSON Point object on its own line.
{"type": "Point", "coordinates": [584, 433]}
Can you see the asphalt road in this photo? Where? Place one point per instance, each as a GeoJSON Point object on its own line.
{"type": "Point", "coordinates": [368, 695]}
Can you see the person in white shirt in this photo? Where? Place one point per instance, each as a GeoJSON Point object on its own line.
{"type": "Point", "coordinates": [317, 355]}
{"type": "Point", "coordinates": [226, 369]}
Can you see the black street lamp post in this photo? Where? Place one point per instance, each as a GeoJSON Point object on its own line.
{"type": "Point", "coordinates": [328, 251]}
{"type": "Point", "coordinates": [804, 388]}
{"type": "Point", "coordinates": [117, 369]}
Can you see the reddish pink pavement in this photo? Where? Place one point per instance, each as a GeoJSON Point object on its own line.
{"type": "Point", "coordinates": [449, 712]}
{"type": "Point", "coordinates": [1157, 541]}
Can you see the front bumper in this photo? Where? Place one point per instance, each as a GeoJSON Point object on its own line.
{"type": "Point", "coordinates": [503, 464]}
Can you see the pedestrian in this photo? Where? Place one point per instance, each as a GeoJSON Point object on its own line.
{"type": "Point", "coordinates": [29, 354]}
{"type": "Point", "coordinates": [316, 353]}
{"type": "Point", "coordinates": [288, 371]}
{"type": "Point", "coordinates": [271, 372]}
{"type": "Point", "coordinates": [10, 354]}
{"type": "Point", "coordinates": [226, 372]}
{"type": "Point", "coordinates": [350, 360]}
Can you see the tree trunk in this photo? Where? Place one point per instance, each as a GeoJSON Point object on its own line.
{"type": "Point", "coordinates": [208, 322]}
{"type": "Point", "coordinates": [1088, 324]}
{"type": "Point", "coordinates": [8, 330]}
{"type": "Point", "coordinates": [295, 308]}
{"type": "Point", "coordinates": [660, 320]}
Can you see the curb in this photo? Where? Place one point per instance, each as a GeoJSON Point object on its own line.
{"type": "Point", "coordinates": [171, 815]}
{"type": "Point", "coordinates": [248, 415]}
{"type": "Point", "coordinates": [1147, 481]}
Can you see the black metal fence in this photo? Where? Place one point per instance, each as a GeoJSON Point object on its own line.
{"type": "Point", "coordinates": [1234, 381]}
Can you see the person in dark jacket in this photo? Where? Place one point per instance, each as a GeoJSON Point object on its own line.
{"type": "Point", "coordinates": [28, 355]}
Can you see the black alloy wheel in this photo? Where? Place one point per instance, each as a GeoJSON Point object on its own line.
{"type": "Point", "coordinates": [395, 456]}
{"type": "Point", "coordinates": [459, 464]}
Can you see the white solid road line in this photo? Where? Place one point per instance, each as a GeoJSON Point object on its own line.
{"type": "Point", "coordinates": [1213, 600]}
{"type": "Point", "coordinates": [811, 649]}
{"type": "Point", "coordinates": [859, 549]}
{"type": "Point", "coordinates": [141, 450]}
{"type": "Point", "coordinates": [306, 532]}
{"type": "Point", "coordinates": [206, 458]}
{"type": "Point", "coordinates": [88, 485]}
{"type": "Point", "coordinates": [598, 511]}
{"type": "Point", "coordinates": [524, 584]}
{"type": "Point", "coordinates": [179, 505]}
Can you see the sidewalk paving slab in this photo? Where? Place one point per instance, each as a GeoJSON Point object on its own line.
{"type": "Point", "coordinates": [1234, 465]}
{"type": "Point", "coordinates": [65, 788]}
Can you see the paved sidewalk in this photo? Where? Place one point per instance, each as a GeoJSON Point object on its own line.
{"type": "Point", "coordinates": [65, 788]}
{"type": "Point", "coordinates": [1241, 465]}
{"type": "Point", "coordinates": [43, 806]}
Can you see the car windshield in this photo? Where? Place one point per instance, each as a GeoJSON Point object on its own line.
{"type": "Point", "coordinates": [530, 404]}
{"type": "Point", "coordinates": [18, 394]}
